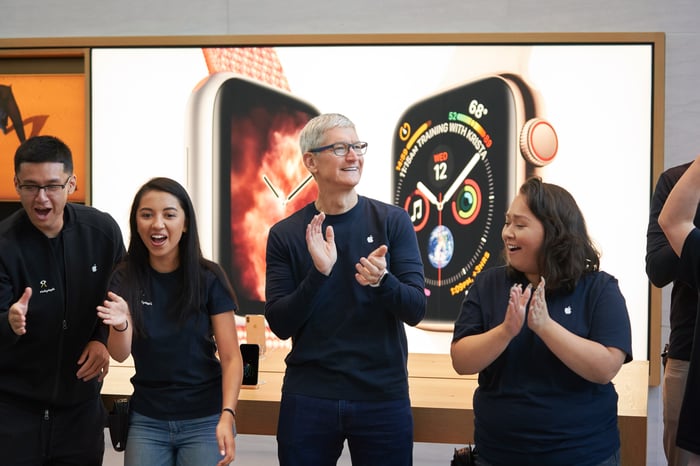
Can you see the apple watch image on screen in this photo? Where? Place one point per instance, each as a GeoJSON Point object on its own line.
{"type": "Point", "coordinates": [458, 159]}
{"type": "Point", "coordinates": [245, 173]}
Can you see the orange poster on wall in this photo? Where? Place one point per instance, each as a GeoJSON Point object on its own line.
{"type": "Point", "coordinates": [42, 104]}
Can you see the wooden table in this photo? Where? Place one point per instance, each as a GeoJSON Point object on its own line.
{"type": "Point", "coordinates": [440, 398]}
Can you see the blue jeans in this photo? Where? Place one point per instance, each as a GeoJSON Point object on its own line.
{"type": "Point", "coordinates": [153, 442]}
{"type": "Point", "coordinates": [311, 431]}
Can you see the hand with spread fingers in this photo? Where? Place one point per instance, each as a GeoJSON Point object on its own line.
{"type": "Point", "coordinates": [538, 315]}
{"type": "Point", "coordinates": [114, 311]}
{"type": "Point", "coordinates": [517, 304]}
{"type": "Point", "coordinates": [322, 250]}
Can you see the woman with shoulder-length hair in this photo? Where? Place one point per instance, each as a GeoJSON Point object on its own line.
{"type": "Point", "coordinates": [547, 333]}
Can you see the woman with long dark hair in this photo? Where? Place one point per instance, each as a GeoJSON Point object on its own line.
{"type": "Point", "coordinates": [173, 311]}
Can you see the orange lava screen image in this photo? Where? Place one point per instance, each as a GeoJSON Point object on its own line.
{"type": "Point", "coordinates": [266, 181]}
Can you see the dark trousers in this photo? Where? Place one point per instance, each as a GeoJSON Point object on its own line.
{"type": "Point", "coordinates": [312, 431]}
{"type": "Point", "coordinates": [614, 460]}
{"type": "Point", "coordinates": [51, 436]}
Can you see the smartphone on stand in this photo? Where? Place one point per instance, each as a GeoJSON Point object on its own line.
{"type": "Point", "coordinates": [255, 331]}
{"type": "Point", "coordinates": [251, 365]}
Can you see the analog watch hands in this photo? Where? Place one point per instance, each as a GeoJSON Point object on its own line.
{"type": "Point", "coordinates": [453, 188]}
{"type": "Point", "coordinates": [278, 193]}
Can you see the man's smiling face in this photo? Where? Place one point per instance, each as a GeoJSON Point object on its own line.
{"type": "Point", "coordinates": [45, 207]}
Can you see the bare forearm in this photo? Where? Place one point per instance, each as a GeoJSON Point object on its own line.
{"type": "Point", "coordinates": [230, 357]}
{"type": "Point", "coordinates": [474, 353]}
{"type": "Point", "coordinates": [119, 342]}
{"type": "Point", "coordinates": [587, 358]}
{"type": "Point", "coordinates": [232, 377]}
{"type": "Point", "coordinates": [676, 217]}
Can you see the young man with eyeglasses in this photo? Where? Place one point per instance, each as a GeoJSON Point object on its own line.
{"type": "Point", "coordinates": [344, 274]}
{"type": "Point", "coordinates": [55, 261]}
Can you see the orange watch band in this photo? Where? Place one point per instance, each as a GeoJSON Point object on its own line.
{"type": "Point", "coordinates": [259, 63]}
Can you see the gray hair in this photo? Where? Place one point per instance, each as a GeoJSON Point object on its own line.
{"type": "Point", "coordinates": [312, 134]}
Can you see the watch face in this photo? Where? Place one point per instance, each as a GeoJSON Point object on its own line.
{"type": "Point", "coordinates": [454, 158]}
{"type": "Point", "coordinates": [262, 178]}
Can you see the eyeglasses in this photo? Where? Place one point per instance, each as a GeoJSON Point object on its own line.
{"type": "Point", "coordinates": [33, 189]}
{"type": "Point", "coordinates": [341, 149]}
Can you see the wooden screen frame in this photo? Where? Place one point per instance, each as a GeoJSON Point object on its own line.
{"type": "Point", "coordinates": [74, 53]}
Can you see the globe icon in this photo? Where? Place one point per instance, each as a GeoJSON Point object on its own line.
{"type": "Point", "coordinates": [441, 246]}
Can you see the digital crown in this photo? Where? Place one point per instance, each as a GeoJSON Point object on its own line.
{"type": "Point", "coordinates": [538, 142]}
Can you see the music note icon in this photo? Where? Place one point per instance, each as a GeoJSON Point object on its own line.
{"type": "Point", "coordinates": [417, 210]}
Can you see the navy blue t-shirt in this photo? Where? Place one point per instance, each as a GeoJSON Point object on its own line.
{"type": "Point", "coordinates": [530, 408]}
{"type": "Point", "coordinates": [178, 375]}
{"type": "Point", "coordinates": [348, 340]}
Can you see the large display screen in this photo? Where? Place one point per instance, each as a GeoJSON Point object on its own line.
{"type": "Point", "coordinates": [455, 179]}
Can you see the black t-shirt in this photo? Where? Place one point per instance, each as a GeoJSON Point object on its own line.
{"type": "Point", "coordinates": [662, 267]}
{"type": "Point", "coordinates": [178, 375]}
{"type": "Point", "coordinates": [688, 436]}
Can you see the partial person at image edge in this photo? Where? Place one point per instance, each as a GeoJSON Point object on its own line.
{"type": "Point", "coordinates": [677, 221]}
{"type": "Point", "coordinates": [662, 269]}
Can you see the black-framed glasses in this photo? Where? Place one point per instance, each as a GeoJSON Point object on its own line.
{"type": "Point", "coordinates": [341, 149]}
{"type": "Point", "coordinates": [33, 189]}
